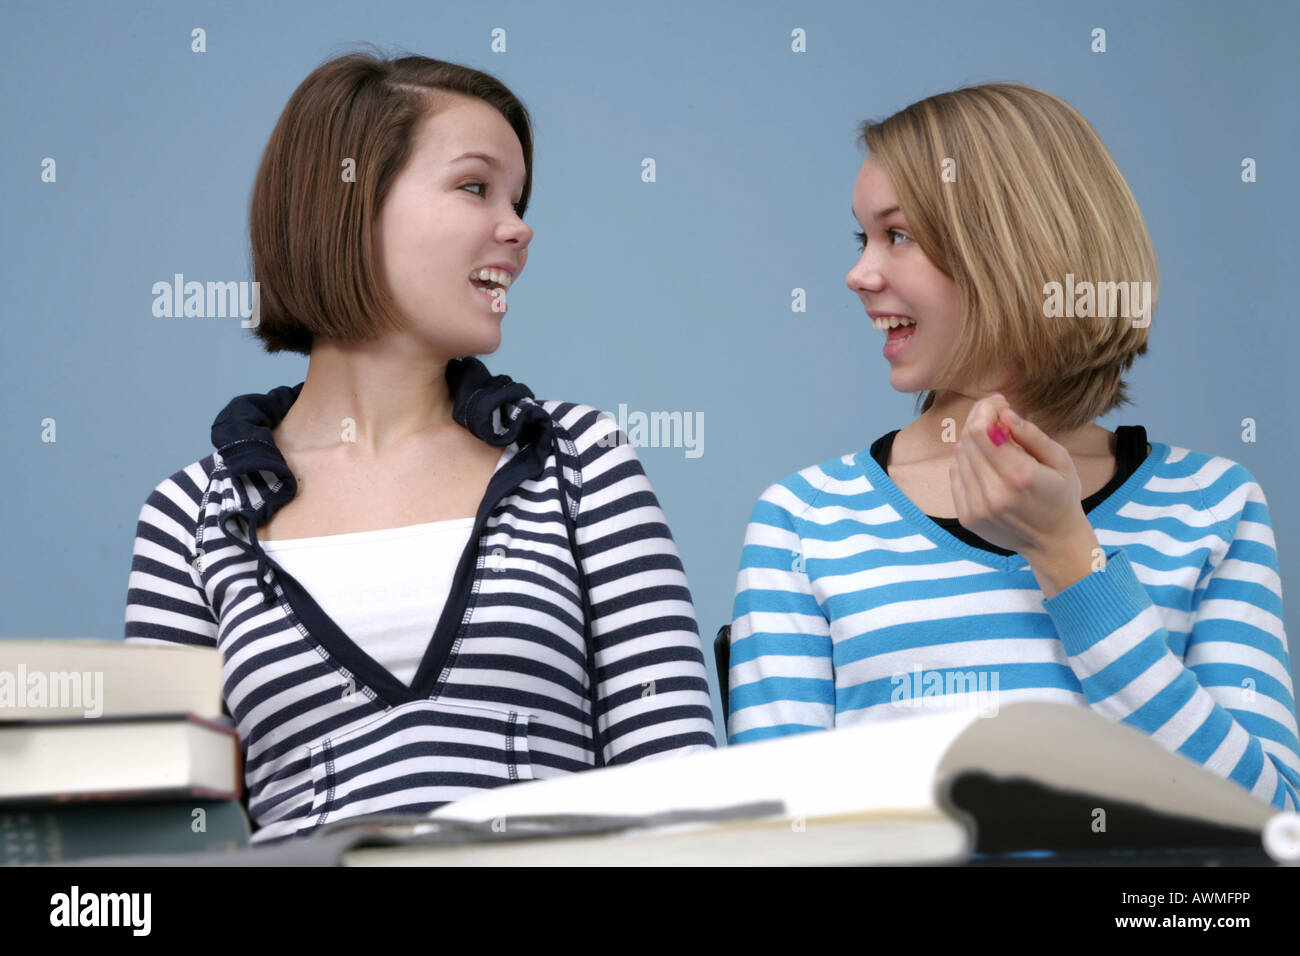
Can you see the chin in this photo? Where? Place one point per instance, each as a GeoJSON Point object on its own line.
{"type": "Point", "coordinates": [482, 340]}
{"type": "Point", "coordinates": [903, 381]}
{"type": "Point", "coordinates": [485, 344]}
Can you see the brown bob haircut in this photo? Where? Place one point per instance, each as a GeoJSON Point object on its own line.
{"type": "Point", "coordinates": [312, 230]}
{"type": "Point", "coordinates": [1036, 197]}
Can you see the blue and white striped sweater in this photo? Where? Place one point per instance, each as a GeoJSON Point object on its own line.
{"type": "Point", "coordinates": [852, 606]}
{"type": "Point", "coordinates": [503, 692]}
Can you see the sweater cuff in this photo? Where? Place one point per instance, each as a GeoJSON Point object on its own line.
{"type": "Point", "coordinates": [1097, 606]}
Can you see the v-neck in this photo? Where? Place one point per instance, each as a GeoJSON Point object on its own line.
{"type": "Point", "coordinates": [310, 618]}
{"type": "Point", "coordinates": [879, 478]}
{"type": "Point", "coordinates": [494, 408]}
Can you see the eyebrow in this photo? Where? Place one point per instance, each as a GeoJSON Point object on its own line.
{"type": "Point", "coordinates": [879, 215]}
{"type": "Point", "coordinates": [485, 157]}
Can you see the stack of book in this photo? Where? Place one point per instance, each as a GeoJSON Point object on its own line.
{"type": "Point", "coordinates": [109, 748]}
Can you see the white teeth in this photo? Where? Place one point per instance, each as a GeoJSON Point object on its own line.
{"type": "Point", "coordinates": [496, 276]}
{"type": "Point", "coordinates": [885, 323]}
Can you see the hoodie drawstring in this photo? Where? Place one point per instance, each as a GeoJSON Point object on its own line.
{"type": "Point", "coordinates": [251, 549]}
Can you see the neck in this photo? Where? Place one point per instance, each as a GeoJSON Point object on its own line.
{"type": "Point", "coordinates": [371, 395]}
{"type": "Point", "coordinates": [936, 432]}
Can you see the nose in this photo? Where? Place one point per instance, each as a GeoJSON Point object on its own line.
{"type": "Point", "coordinates": [865, 276]}
{"type": "Point", "coordinates": [514, 229]}
{"type": "Point", "coordinates": [518, 234]}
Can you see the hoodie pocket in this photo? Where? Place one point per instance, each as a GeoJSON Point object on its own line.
{"type": "Point", "coordinates": [417, 756]}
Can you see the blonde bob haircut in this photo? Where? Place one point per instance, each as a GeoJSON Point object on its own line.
{"type": "Point", "coordinates": [1006, 189]}
{"type": "Point", "coordinates": [312, 224]}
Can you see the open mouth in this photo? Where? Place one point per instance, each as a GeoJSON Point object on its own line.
{"type": "Point", "coordinates": [897, 339]}
{"type": "Point", "coordinates": [493, 292]}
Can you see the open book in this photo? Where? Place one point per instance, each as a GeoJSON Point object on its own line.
{"type": "Point", "coordinates": [928, 789]}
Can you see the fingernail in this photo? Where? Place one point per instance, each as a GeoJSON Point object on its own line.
{"type": "Point", "coordinates": [997, 435]}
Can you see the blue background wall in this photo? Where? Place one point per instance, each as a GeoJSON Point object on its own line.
{"type": "Point", "coordinates": [671, 296]}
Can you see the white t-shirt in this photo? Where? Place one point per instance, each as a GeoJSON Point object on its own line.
{"type": "Point", "coordinates": [384, 589]}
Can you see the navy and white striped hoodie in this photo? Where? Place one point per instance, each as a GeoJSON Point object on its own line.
{"type": "Point", "coordinates": [502, 693]}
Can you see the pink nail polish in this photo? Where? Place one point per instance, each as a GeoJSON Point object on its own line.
{"type": "Point", "coordinates": [997, 434]}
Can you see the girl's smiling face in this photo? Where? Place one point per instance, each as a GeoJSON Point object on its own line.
{"type": "Point", "coordinates": [893, 277]}
{"type": "Point", "coordinates": [446, 215]}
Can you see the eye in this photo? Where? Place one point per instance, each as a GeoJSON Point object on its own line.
{"type": "Point", "coordinates": [516, 206]}
{"type": "Point", "coordinates": [861, 237]}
